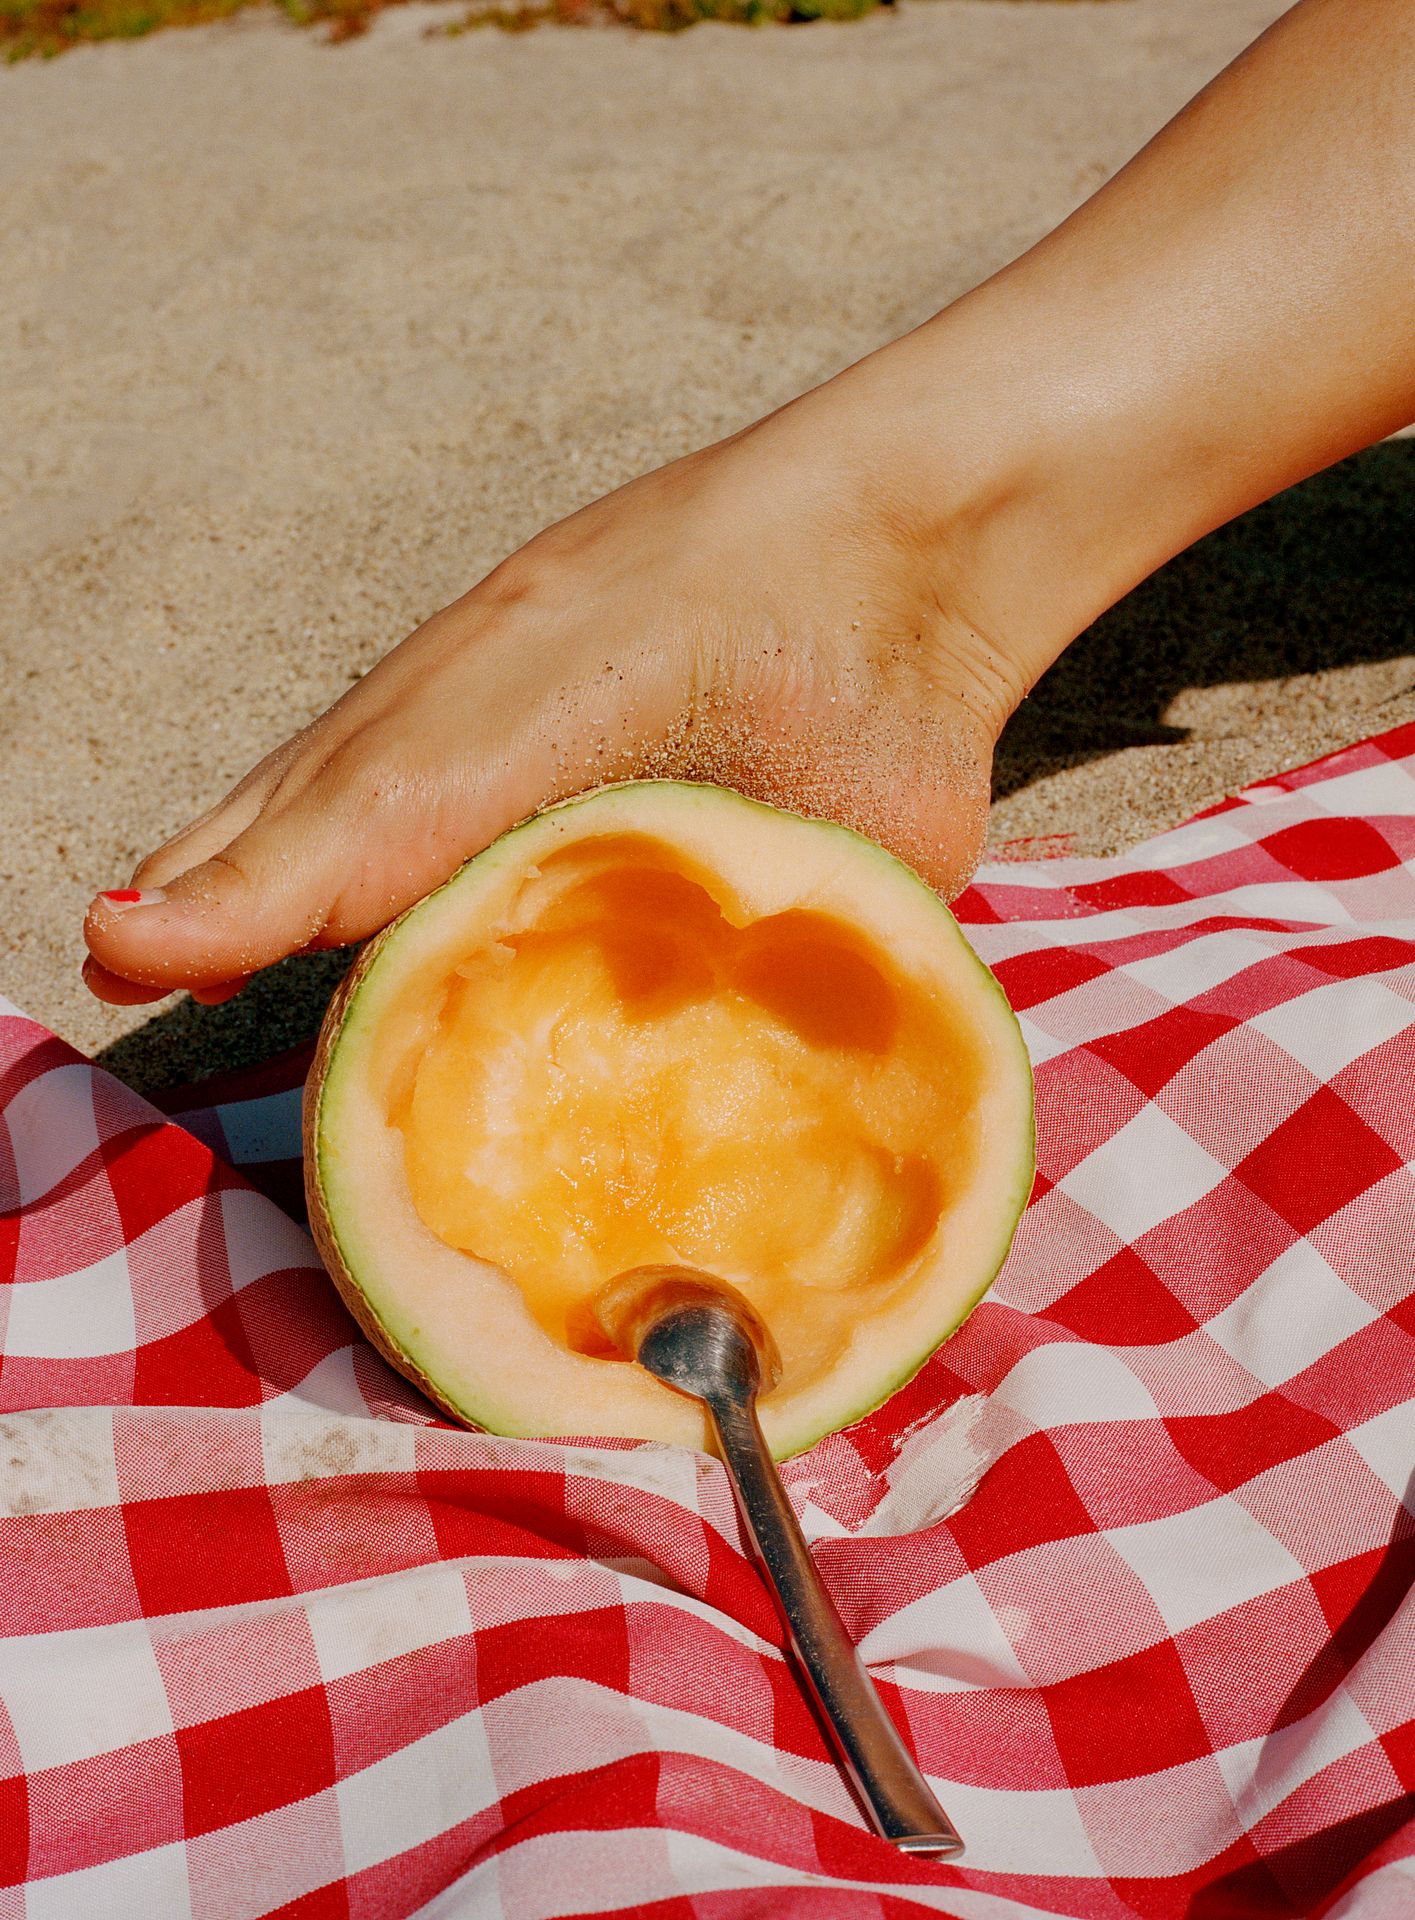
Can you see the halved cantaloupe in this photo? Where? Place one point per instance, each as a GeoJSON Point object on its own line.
{"type": "Point", "coordinates": [664, 1023]}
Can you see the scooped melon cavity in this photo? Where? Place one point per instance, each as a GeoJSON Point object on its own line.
{"type": "Point", "coordinates": [658, 1024]}
{"type": "Point", "coordinates": [633, 1069]}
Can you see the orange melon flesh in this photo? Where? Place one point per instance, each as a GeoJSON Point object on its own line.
{"type": "Point", "coordinates": [662, 1023]}
{"type": "Point", "coordinates": [638, 1071]}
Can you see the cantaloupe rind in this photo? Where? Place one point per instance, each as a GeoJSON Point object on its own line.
{"type": "Point", "coordinates": [457, 1325]}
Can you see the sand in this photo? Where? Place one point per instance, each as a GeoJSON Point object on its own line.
{"type": "Point", "coordinates": [298, 341]}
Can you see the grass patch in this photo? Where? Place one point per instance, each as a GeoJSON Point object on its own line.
{"type": "Point", "coordinates": [48, 27]}
{"type": "Point", "coordinates": [659, 16]}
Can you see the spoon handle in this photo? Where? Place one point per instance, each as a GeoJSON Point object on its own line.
{"type": "Point", "coordinates": [896, 1795]}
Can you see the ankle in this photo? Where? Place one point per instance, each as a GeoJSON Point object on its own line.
{"type": "Point", "coordinates": [1002, 503]}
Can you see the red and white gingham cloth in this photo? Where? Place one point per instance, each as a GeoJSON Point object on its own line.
{"type": "Point", "coordinates": [280, 1641]}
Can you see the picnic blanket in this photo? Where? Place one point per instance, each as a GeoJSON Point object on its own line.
{"type": "Point", "coordinates": [1130, 1559]}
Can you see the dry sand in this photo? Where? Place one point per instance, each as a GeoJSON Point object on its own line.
{"type": "Point", "coordinates": [298, 341]}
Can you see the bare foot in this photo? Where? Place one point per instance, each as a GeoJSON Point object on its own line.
{"type": "Point", "coordinates": [838, 608]}
{"type": "Point", "coordinates": [760, 614]}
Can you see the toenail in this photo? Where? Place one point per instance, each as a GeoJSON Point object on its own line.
{"type": "Point", "coordinates": [121, 899]}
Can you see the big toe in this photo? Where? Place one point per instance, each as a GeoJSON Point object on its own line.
{"type": "Point", "coordinates": [266, 894]}
{"type": "Point", "coordinates": [333, 865]}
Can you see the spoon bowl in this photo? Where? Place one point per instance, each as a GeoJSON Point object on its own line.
{"type": "Point", "coordinates": [690, 1330]}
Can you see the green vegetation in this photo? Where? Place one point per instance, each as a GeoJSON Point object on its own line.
{"type": "Point", "coordinates": [48, 27]}
{"type": "Point", "coordinates": [665, 16]}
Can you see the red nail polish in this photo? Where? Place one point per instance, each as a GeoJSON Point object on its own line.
{"type": "Point", "coordinates": [124, 899]}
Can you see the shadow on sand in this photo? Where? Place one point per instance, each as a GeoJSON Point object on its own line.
{"type": "Point", "coordinates": [280, 1008]}
{"type": "Point", "coordinates": [1321, 577]}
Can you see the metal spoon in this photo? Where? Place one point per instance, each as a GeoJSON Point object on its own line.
{"type": "Point", "coordinates": [697, 1334]}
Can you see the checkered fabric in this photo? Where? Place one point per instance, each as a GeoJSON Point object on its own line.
{"type": "Point", "coordinates": [1130, 1559]}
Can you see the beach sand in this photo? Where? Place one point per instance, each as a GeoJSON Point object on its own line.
{"type": "Point", "coordinates": [298, 341]}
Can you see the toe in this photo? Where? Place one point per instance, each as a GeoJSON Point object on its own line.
{"type": "Point", "coordinates": [248, 905]}
{"type": "Point", "coordinates": [213, 830]}
{"type": "Point", "coordinates": [218, 996]}
{"type": "Point", "coordinates": [329, 865]}
{"type": "Point", "coordinates": [115, 990]}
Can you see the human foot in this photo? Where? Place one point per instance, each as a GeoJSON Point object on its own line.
{"type": "Point", "coordinates": [838, 608]}
{"type": "Point", "coordinates": [764, 614]}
